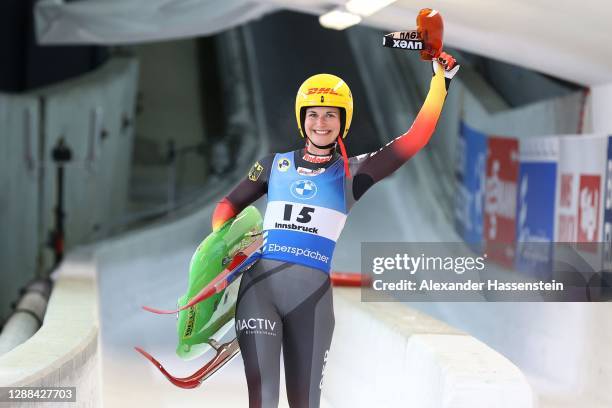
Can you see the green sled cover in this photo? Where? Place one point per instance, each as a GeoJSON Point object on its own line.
{"type": "Point", "coordinates": [213, 317]}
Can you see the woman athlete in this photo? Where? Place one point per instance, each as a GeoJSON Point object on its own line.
{"type": "Point", "coordinates": [286, 298]}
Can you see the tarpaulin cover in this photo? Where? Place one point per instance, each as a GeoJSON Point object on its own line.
{"type": "Point", "coordinates": [112, 22]}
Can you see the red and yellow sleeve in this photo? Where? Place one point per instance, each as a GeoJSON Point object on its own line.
{"type": "Point", "coordinates": [408, 144]}
{"type": "Point", "coordinates": [223, 212]}
{"type": "Point", "coordinates": [378, 165]}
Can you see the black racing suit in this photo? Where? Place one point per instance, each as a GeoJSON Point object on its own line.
{"type": "Point", "coordinates": [290, 305]}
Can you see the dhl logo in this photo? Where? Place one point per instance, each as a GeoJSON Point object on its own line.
{"type": "Point", "coordinates": [330, 91]}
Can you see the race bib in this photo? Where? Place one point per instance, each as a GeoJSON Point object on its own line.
{"type": "Point", "coordinates": [311, 219]}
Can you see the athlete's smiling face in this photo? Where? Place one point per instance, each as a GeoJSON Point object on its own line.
{"type": "Point", "coordinates": [322, 124]}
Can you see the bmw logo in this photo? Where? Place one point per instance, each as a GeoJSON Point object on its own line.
{"type": "Point", "coordinates": [303, 189]}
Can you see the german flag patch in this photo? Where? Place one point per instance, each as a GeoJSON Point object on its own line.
{"type": "Point", "coordinates": [255, 171]}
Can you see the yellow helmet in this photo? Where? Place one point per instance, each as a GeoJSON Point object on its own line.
{"type": "Point", "coordinates": [324, 90]}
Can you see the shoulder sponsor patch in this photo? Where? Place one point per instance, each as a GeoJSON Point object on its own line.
{"type": "Point", "coordinates": [255, 171]}
{"type": "Point", "coordinates": [283, 164]}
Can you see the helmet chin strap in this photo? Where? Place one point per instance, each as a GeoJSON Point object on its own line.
{"type": "Point", "coordinates": [339, 142]}
{"type": "Point", "coordinates": [327, 146]}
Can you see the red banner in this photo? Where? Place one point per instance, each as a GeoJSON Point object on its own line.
{"type": "Point", "coordinates": [580, 199]}
{"type": "Point", "coordinates": [588, 208]}
{"type": "Point", "coordinates": [500, 199]}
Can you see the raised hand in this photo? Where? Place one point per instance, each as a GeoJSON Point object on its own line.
{"type": "Point", "coordinates": [447, 63]}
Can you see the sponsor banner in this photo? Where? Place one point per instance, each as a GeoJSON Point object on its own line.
{"type": "Point", "coordinates": [311, 219]}
{"type": "Point", "coordinates": [589, 197]}
{"type": "Point", "coordinates": [295, 247]}
{"type": "Point", "coordinates": [607, 228]}
{"type": "Point", "coordinates": [579, 209]}
{"type": "Point", "coordinates": [502, 170]}
{"type": "Point", "coordinates": [470, 172]}
{"type": "Point", "coordinates": [580, 182]}
{"type": "Point", "coordinates": [580, 199]}
{"type": "Point", "coordinates": [536, 204]}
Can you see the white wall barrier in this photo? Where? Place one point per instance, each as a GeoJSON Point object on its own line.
{"type": "Point", "coordinates": [64, 352]}
{"type": "Point", "coordinates": [388, 355]}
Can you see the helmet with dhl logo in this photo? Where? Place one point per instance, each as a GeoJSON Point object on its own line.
{"type": "Point", "coordinates": [325, 90]}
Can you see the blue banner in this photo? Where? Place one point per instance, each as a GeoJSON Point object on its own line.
{"type": "Point", "coordinates": [470, 173]}
{"type": "Point", "coordinates": [535, 217]}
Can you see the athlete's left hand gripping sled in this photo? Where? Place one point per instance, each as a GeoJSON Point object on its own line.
{"type": "Point", "coordinates": [206, 311]}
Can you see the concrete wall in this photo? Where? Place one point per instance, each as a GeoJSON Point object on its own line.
{"type": "Point", "coordinates": [89, 114]}
{"type": "Point", "coordinates": [94, 114]}
{"type": "Point", "coordinates": [19, 195]}
{"type": "Point", "coordinates": [170, 108]}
